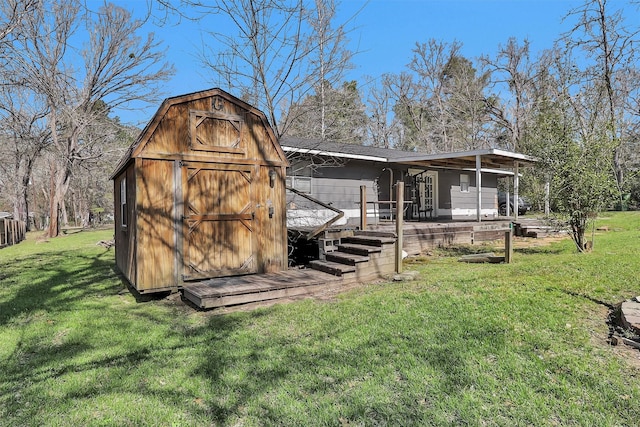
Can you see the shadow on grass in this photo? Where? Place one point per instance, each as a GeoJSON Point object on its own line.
{"type": "Point", "coordinates": [54, 282]}
{"type": "Point", "coordinates": [361, 372]}
{"type": "Point", "coordinates": [240, 366]}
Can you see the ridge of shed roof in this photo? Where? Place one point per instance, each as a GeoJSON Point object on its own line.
{"type": "Point", "coordinates": [148, 130]}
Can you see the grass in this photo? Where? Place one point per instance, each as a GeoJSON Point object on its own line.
{"type": "Point", "coordinates": [465, 344]}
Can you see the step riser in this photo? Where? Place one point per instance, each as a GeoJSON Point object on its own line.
{"type": "Point", "coordinates": [364, 251]}
{"type": "Point", "coordinates": [346, 258]}
{"type": "Point", "coordinates": [369, 241]}
{"type": "Point", "coordinates": [336, 269]}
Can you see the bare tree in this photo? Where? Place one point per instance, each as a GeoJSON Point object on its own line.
{"type": "Point", "coordinates": [265, 58]}
{"type": "Point", "coordinates": [442, 102]}
{"type": "Point", "coordinates": [281, 51]}
{"type": "Point", "coordinates": [602, 34]}
{"type": "Point", "coordinates": [383, 128]}
{"type": "Point", "coordinates": [426, 98]}
{"type": "Point", "coordinates": [11, 15]}
{"type": "Point", "coordinates": [328, 57]}
{"type": "Point", "coordinates": [114, 68]}
{"type": "Point", "coordinates": [512, 74]}
{"type": "Point", "coordinates": [25, 135]}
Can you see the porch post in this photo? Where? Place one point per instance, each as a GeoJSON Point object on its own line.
{"type": "Point", "coordinates": [363, 207]}
{"type": "Point", "coordinates": [399, 224]}
{"type": "Point", "coordinates": [516, 184]}
{"type": "Point", "coordinates": [478, 188]}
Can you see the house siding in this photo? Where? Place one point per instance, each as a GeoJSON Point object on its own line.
{"type": "Point", "coordinates": [340, 187]}
{"type": "Point", "coordinates": [457, 204]}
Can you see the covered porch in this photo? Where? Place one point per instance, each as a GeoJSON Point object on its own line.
{"type": "Point", "coordinates": [472, 167]}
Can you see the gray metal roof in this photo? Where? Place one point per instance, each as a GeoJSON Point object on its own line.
{"type": "Point", "coordinates": [490, 157]}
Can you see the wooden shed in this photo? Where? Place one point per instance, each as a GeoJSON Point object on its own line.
{"type": "Point", "coordinates": [200, 194]}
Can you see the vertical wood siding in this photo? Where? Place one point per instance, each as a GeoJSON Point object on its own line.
{"type": "Point", "coordinates": [155, 232]}
{"type": "Point", "coordinates": [205, 203]}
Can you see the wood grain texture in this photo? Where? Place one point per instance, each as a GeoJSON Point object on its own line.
{"type": "Point", "coordinates": [205, 194]}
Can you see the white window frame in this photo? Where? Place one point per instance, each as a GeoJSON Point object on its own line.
{"type": "Point", "coordinates": [464, 183]}
{"type": "Point", "coordinates": [123, 203]}
{"type": "Point", "coordinates": [300, 183]}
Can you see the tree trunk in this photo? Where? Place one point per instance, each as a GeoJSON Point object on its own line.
{"type": "Point", "coordinates": [63, 211]}
{"type": "Point", "coordinates": [53, 229]}
{"type": "Point", "coordinates": [60, 177]}
{"type": "Point", "coordinates": [578, 230]}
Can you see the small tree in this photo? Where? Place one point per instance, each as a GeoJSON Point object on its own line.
{"type": "Point", "coordinates": [570, 139]}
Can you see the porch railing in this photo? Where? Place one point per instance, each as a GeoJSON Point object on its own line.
{"type": "Point", "coordinates": [339, 214]}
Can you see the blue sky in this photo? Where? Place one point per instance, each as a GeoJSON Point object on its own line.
{"type": "Point", "coordinates": [384, 33]}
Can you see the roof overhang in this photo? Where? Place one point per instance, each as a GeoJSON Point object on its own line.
{"type": "Point", "coordinates": [315, 152]}
{"type": "Point", "coordinates": [490, 158]}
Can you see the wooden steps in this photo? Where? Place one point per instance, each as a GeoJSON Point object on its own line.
{"type": "Point", "coordinates": [366, 256]}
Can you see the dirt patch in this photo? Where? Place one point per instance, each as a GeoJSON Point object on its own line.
{"type": "Point", "coordinates": [532, 242]}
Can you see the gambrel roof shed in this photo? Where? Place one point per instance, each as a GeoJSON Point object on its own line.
{"type": "Point", "coordinates": [200, 194]}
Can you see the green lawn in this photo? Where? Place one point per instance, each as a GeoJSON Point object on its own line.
{"type": "Point", "coordinates": [465, 344]}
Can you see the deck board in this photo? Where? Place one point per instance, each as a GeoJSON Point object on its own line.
{"type": "Point", "coordinates": [256, 287]}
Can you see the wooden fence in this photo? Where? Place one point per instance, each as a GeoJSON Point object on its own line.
{"type": "Point", "coordinates": [12, 231]}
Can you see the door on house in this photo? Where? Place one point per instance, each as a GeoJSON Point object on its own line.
{"type": "Point", "coordinates": [428, 193]}
{"type": "Point", "coordinates": [218, 221]}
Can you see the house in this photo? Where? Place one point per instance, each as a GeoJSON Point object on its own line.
{"type": "Point", "coordinates": [200, 194]}
{"type": "Point", "coordinates": [437, 186]}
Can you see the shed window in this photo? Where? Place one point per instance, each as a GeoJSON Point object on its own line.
{"type": "Point", "coordinates": [300, 183]}
{"type": "Point", "coordinates": [123, 202]}
{"type": "Point", "coordinates": [464, 183]}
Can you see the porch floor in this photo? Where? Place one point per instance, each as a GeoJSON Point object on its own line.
{"type": "Point", "coordinates": [420, 237]}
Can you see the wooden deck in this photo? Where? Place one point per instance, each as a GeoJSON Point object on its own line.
{"type": "Point", "coordinates": [423, 236]}
{"type": "Point", "coordinates": [363, 256]}
{"type": "Point", "coordinates": [227, 291]}
{"type": "Point", "coordinates": [359, 259]}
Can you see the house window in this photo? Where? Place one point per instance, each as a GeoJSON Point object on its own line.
{"type": "Point", "coordinates": [464, 183]}
{"type": "Point", "coordinates": [123, 202]}
{"type": "Point", "coordinates": [300, 183]}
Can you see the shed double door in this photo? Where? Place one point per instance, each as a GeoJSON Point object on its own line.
{"type": "Point", "coordinates": [218, 221]}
